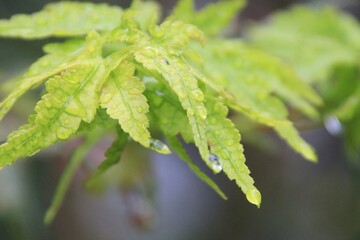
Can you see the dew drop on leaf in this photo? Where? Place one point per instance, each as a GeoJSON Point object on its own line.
{"type": "Point", "coordinates": [333, 125]}
{"type": "Point", "coordinates": [63, 133]}
{"type": "Point", "coordinates": [140, 109]}
{"type": "Point", "coordinates": [215, 164]}
{"type": "Point", "coordinates": [159, 93]}
{"type": "Point", "coordinates": [202, 112]}
{"type": "Point", "coordinates": [66, 121]}
{"type": "Point", "coordinates": [191, 112]}
{"type": "Point", "coordinates": [198, 95]}
{"type": "Point", "coordinates": [159, 146]}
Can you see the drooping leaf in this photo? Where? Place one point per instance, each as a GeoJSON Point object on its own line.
{"type": "Point", "coordinates": [224, 142]}
{"type": "Point", "coordinates": [212, 19]}
{"type": "Point", "coordinates": [248, 80]}
{"type": "Point", "coordinates": [112, 155]}
{"type": "Point", "coordinates": [60, 111]}
{"type": "Point", "coordinates": [176, 145]}
{"type": "Point", "coordinates": [60, 57]}
{"type": "Point", "coordinates": [322, 45]}
{"type": "Point", "coordinates": [178, 75]}
{"type": "Point", "coordinates": [62, 19]}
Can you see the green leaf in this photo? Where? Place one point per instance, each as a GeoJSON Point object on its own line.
{"type": "Point", "coordinates": [145, 11]}
{"type": "Point", "coordinates": [322, 37]}
{"type": "Point", "coordinates": [176, 145]}
{"type": "Point", "coordinates": [112, 155]}
{"type": "Point", "coordinates": [224, 142]}
{"type": "Point", "coordinates": [167, 112]}
{"type": "Point", "coordinates": [63, 19]}
{"type": "Point", "coordinates": [175, 34]}
{"type": "Point", "coordinates": [47, 66]}
{"type": "Point", "coordinates": [204, 19]}
{"type": "Point", "coordinates": [61, 109]}
{"type": "Point", "coordinates": [178, 75]}
{"type": "Point", "coordinates": [248, 80]}
{"type": "Point", "coordinates": [123, 99]}
{"type": "Point", "coordinates": [65, 180]}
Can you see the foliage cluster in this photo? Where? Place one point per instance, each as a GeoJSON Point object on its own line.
{"type": "Point", "coordinates": [120, 71]}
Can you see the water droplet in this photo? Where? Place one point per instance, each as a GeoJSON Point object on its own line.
{"type": "Point", "coordinates": [333, 125]}
{"type": "Point", "coordinates": [159, 93]}
{"type": "Point", "coordinates": [215, 164]}
{"type": "Point", "coordinates": [191, 112]}
{"type": "Point", "coordinates": [140, 109]}
{"type": "Point", "coordinates": [198, 95]}
{"type": "Point", "coordinates": [63, 133]}
{"type": "Point", "coordinates": [202, 112]}
{"type": "Point", "coordinates": [218, 107]}
{"type": "Point", "coordinates": [66, 121]}
{"type": "Point", "coordinates": [159, 146]}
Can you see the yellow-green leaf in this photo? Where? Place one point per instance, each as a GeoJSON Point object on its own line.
{"type": "Point", "coordinates": [62, 19]}
{"type": "Point", "coordinates": [212, 19]}
{"type": "Point", "coordinates": [224, 142]}
{"type": "Point", "coordinates": [123, 99]}
{"type": "Point", "coordinates": [178, 75]}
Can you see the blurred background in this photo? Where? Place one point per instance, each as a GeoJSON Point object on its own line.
{"type": "Point", "coordinates": [162, 199]}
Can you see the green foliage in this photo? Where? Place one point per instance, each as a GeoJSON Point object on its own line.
{"type": "Point", "coordinates": [137, 78]}
{"type": "Point", "coordinates": [224, 142]}
{"type": "Point", "coordinates": [204, 19]}
{"type": "Point", "coordinates": [65, 19]}
{"type": "Point", "coordinates": [323, 47]}
{"type": "Point", "coordinates": [313, 41]}
{"type": "Point", "coordinates": [249, 80]}
{"type": "Point", "coordinates": [122, 97]}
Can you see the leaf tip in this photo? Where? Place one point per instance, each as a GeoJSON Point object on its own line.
{"type": "Point", "coordinates": [254, 197]}
{"type": "Point", "coordinates": [159, 146]}
{"type": "Point", "coordinates": [49, 216]}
